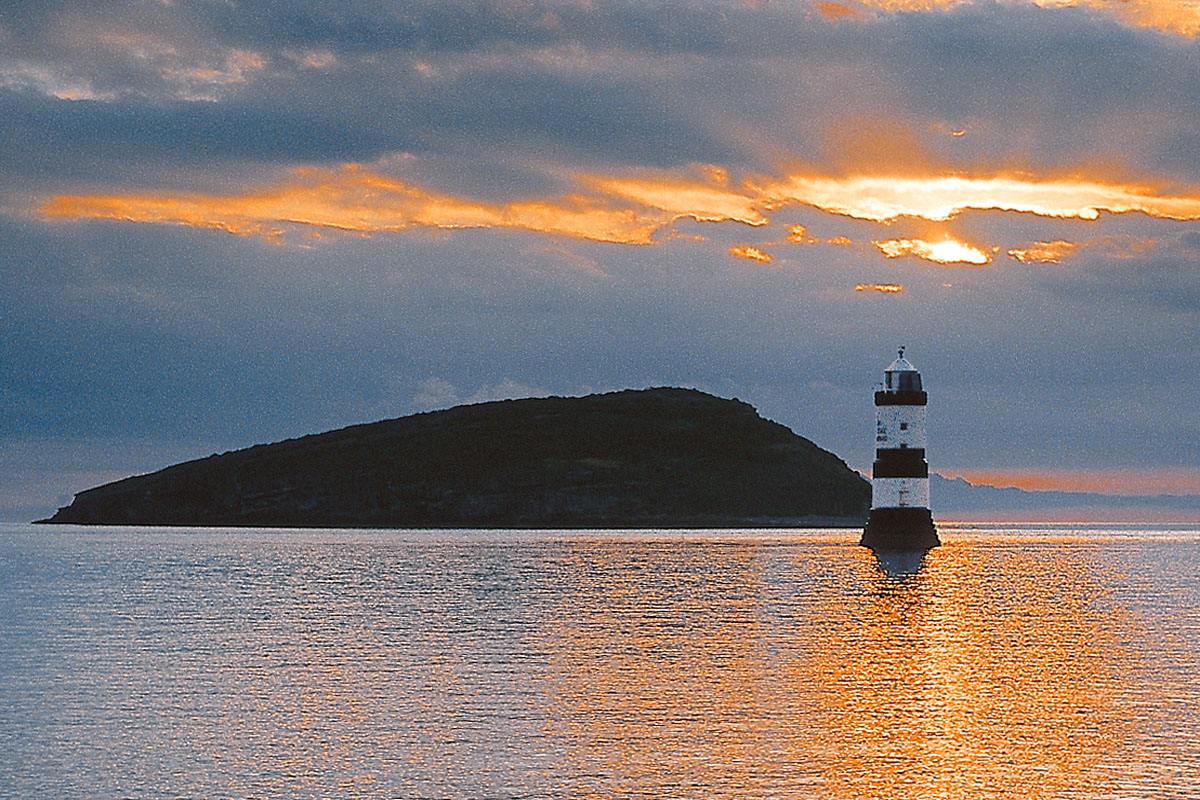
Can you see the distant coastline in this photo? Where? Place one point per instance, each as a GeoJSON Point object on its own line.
{"type": "Point", "coordinates": [954, 499]}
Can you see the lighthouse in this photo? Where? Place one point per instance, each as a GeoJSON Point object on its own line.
{"type": "Point", "coordinates": [900, 518]}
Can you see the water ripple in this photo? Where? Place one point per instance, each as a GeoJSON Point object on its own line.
{"type": "Point", "coordinates": [1055, 662]}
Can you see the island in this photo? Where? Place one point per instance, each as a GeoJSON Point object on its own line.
{"type": "Point", "coordinates": [657, 458]}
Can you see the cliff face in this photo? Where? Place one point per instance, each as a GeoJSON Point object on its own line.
{"type": "Point", "coordinates": [659, 457]}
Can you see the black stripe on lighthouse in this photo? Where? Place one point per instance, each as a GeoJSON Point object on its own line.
{"type": "Point", "coordinates": [902, 398]}
{"type": "Point", "coordinates": [904, 462]}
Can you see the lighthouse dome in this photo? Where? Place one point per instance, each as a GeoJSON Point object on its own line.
{"type": "Point", "coordinates": [901, 376]}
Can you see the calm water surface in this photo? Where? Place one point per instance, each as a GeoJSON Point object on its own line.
{"type": "Point", "coordinates": [1030, 662]}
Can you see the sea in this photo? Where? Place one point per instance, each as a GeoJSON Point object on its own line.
{"type": "Point", "coordinates": [1014, 661]}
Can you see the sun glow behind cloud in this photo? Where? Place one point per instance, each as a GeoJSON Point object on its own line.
{"type": "Point", "coordinates": [631, 209]}
{"type": "Point", "coordinates": [946, 251]}
{"type": "Point", "coordinates": [937, 198]}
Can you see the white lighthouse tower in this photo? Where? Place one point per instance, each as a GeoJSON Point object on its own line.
{"type": "Point", "coordinates": [900, 518]}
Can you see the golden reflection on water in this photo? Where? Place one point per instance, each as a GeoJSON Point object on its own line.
{"type": "Point", "coordinates": [981, 673]}
{"type": "Point", "coordinates": [950, 683]}
{"type": "Point", "coordinates": [598, 665]}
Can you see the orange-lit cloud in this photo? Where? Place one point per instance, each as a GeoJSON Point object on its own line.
{"type": "Point", "coordinates": [359, 201]}
{"type": "Point", "coordinates": [1173, 16]}
{"type": "Point", "coordinates": [798, 234]}
{"type": "Point", "coordinates": [1045, 252]}
{"type": "Point", "coordinates": [353, 199]}
{"type": "Point", "coordinates": [750, 253]}
{"type": "Point", "coordinates": [1121, 246]}
{"type": "Point", "coordinates": [836, 10]}
{"type": "Point", "coordinates": [624, 209]}
{"type": "Point", "coordinates": [1180, 17]}
{"type": "Point", "coordinates": [947, 251]}
{"type": "Point", "coordinates": [886, 288]}
{"type": "Point", "coordinates": [883, 198]}
{"type": "Point", "coordinates": [705, 201]}
{"type": "Point", "coordinates": [312, 59]}
{"type": "Point", "coordinates": [1054, 252]}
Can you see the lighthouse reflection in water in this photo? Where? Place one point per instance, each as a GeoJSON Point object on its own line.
{"type": "Point", "coordinates": [1032, 663]}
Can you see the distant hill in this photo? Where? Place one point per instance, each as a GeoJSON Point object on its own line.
{"type": "Point", "coordinates": [658, 457]}
{"type": "Point", "coordinates": [957, 496]}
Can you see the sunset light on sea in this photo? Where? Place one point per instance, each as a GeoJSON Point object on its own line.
{"type": "Point", "coordinates": [1013, 661]}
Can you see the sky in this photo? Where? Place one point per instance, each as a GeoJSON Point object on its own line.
{"type": "Point", "coordinates": [225, 223]}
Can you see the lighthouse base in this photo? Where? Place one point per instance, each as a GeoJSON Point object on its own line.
{"type": "Point", "coordinates": [900, 529]}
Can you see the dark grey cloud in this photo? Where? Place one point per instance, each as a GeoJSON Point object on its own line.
{"type": "Point", "coordinates": [1052, 87]}
{"type": "Point", "coordinates": [613, 83]}
{"type": "Point", "coordinates": [451, 27]}
{"type": "Point", "coordinates": [1162, 281]}
{"type": "Point", "coordinates": [48, 138]}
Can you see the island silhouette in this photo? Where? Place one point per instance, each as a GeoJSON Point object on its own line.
{"type": "Point", "coordinates": [663, 457]}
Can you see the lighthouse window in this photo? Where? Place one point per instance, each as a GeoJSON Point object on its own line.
{"type": "Point", "coordinates": [903, 426]}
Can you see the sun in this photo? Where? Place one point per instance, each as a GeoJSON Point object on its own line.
{"type": "Point", "coordinates": [951, 251]}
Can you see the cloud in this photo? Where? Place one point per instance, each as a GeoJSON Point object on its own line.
{"type": "Point", "coordinates": [883, 288]}
{"type": "Point", "coordinates": [438, 393]}
{"type": "Point", "coordinates": [358, 201]}
{"type": "Point", "coordinates": [945, 251]}
{"type": "Point", "coordinates": [940, 197]}
{"type": "Point", "coordinates": [1121, 246]}
{"type": "Point", "coordinates": [621, 209]}
{"type": "Point", "coordinates": [1180, 17]}
{"type": "Point", "coordinates": [1054, 252]}
{"type": "Point", "coordinates": [1045, 252]}
{"type": "Point", "coordinates": [750, 253]}
{"type": "Point", "coordinates": [147, 51]}
{"type": "Point", "coordinates": [513, 91]}
{"type": "Point", "coordinates": [506, 389]}
{"type": "Point", "coordinates": [710, 201]}
{"type": "Point", "coordinates": [1162, 279]}
{"type": "Point", "coordinates": [435, 393]}
{"type": "Point", "coordinates": [834, 10]}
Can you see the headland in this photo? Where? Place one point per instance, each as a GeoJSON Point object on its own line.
{"type": "Point", "coordinates": [651, 458]}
